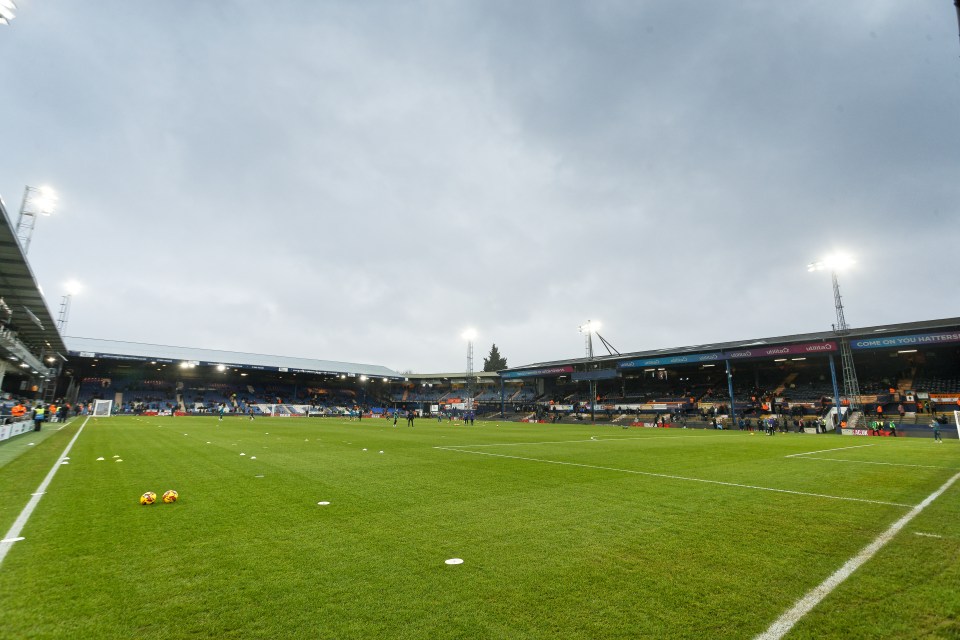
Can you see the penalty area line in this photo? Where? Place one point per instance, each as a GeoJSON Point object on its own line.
{"type": "Point", "coordinates": [889, 464]}
{"type": "Point", "coordinates": [592, 439]}
{"type": "Point", "coordinates": [782, 625]}
{"type": "Point", "coordinates": [13, 535]}
{"type": "Point", "coordinates": [674, 477]}
{"type": "Point", "coordinates": [810, 453]}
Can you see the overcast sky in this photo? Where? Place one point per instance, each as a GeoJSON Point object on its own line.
{"type": "Point", "coordinates": [360, 181]}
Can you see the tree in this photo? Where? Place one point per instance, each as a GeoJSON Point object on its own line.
{"type": "Point", "coordinates": [495, 361]}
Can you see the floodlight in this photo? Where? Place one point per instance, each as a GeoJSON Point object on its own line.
{"type": "Point", "coordinates": [469, 334]}
{"type": "Point", "coordinates": [592, 326]}
{"type": "Point", "coordinates": [7, 11]}
{"type": "Point", "coordinates": [221, 367]}
{"type": "Point", "coordinates": [833, 262]}
{"type": "Point", "coordinates": [363, 378]}
{"type": "Point", "coordinates": [44, 199]}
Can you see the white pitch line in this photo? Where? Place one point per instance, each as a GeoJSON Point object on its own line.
{"type": "Point", "coordinates": [21, 521]}
{"type": "Point", "coordinates": [516, 444]}
{"type": "Point", "coordinates": [892, 464]}
{"type": "Point", "coordinates": [810, 453]}
{"type": "Point", "coordinates": [785, 622]}
{"type": "Point", "coordinates": [673, 477]}
{"type": "Point", "coordinates": [926, 535]}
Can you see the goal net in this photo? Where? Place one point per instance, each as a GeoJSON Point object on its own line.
{"type": "Point", "coordinates": [102, 408]}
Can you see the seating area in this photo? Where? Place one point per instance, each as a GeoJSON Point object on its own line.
{"type": "Point", "coordinates": [937, 385]}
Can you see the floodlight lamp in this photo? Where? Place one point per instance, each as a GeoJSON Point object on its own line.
{"type": "Point", "coordinates": [592, 326]}
{"type": "Point", "coordinates": [45, 200]}
{"type": "Point", "coordinates": [73, 287]}
{"type": "Point", "coordinates": [839, 261]}
{"type": "Point", "coordinates": [221, 367]}
{"type": "Point", "coordinates": [7, 11]}
{"type": "Point", "coordinates": [469, 334]}
{"type": "Point", "coordinates": [833, 262]}
{"type": "Point", "coordinates": [363, 378]}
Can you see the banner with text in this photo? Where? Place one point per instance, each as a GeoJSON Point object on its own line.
{"type": "Point", "coordinates": [922, 340]}
{"type": "Point", "coordinates": [538, 373]}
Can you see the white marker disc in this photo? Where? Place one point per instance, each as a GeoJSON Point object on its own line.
{"type": "Point", "coordinates": [453, 561]}
{"type": "Point", "coordinates": [323, 503]}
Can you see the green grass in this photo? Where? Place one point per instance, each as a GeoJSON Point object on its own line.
{"type": "Point", "coordinates": [550, 550]}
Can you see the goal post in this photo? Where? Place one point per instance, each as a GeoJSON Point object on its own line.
{"type": "Point", "coordinates": [102, 408]}
{"type": "Point", "coordinates": [956, 422]}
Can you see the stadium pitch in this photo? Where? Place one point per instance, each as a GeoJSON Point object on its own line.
{"type": "Point", "coordinates": [302, 528]}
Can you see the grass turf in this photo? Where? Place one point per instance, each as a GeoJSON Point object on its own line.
{"type": "Point", "coordinates": [561, 535]}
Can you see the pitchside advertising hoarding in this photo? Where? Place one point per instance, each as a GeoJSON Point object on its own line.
{"type": "Point", "coordinates": [808, 348]}
{"type": "Point", "coordinates": [10, 430]}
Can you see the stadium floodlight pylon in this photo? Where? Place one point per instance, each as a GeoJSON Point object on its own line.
{"type": "Point", "coordinates": [469, 335]}
{"type": "Point", "coordinates": [73, 287]}
{"type": "Point", "coordinates": [851, 387]}
{"type": "Point", "coordinates": [37, 201]}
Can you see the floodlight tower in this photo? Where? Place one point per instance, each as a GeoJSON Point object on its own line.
{"type": "Point", "coordinates": [851, 387]}
{"type": "Point", "coordinates": [588, 329]}
{"type": "Point", "coordinates": [37, 201]}
{"type": "Point", "coordinates": [73, 287]}
{"type": "Point", "coordinates": [469, 335]}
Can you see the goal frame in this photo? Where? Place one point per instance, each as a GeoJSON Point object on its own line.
{"type": "Point", "coordinates": [956, 422]}
{"type": "Point", "coordinates": [99, 406]}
